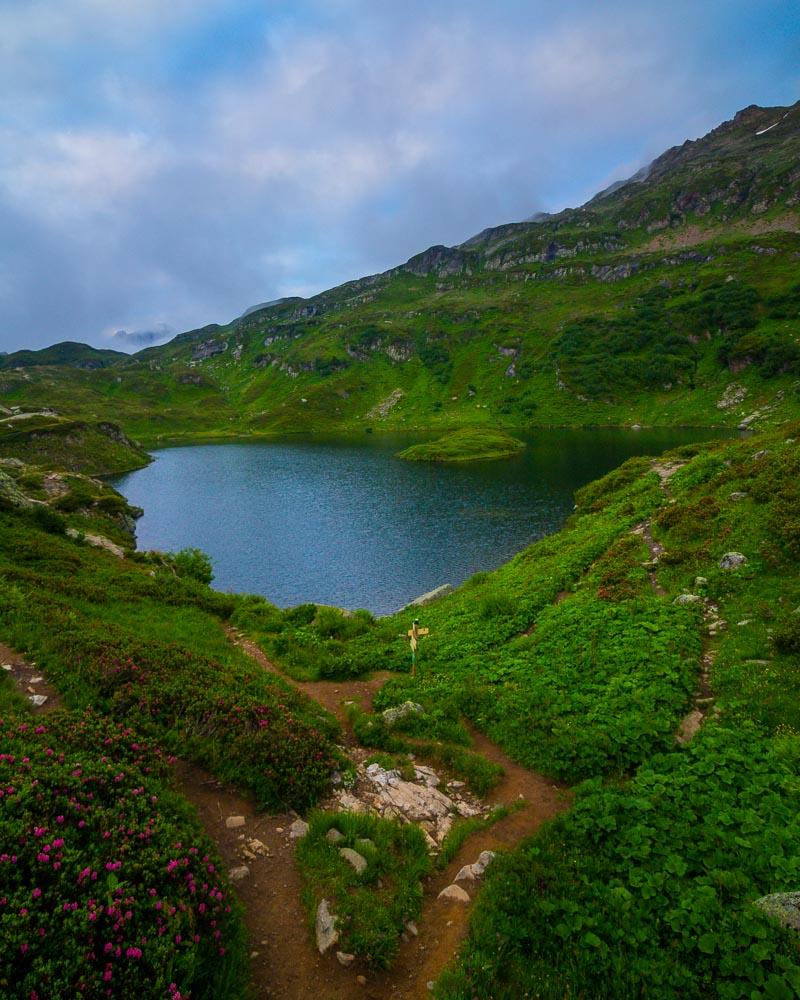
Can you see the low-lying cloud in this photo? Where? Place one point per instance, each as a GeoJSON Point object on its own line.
{"type": "Point", "coordinates": [135, 340]}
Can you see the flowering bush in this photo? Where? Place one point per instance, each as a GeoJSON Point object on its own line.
{"type": "Point", "coordinates": [244, 725]}
{"type": "Point", "coordinates": [107, 887]}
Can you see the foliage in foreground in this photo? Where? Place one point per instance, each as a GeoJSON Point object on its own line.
{"type": "Point", "coordinates": [149, 650]}
{"type": "Point", "coordinates": [107, 885]}
{"type": "Point", "coordinates": [372, 907]}
{"type": "Point", "coordinates": [647, 889]}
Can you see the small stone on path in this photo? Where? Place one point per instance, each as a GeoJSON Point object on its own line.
{"type": "Point", "coordinates": [234, 822]}
{"type": "Point", "coordinates": [454, 894]}
{"type": "Point", "coordinates": [298, 829]}
{"type": "Point", "coordinates": [344, 958]}
{"type": "Point", "coordinates": [688, 599]}
{"type": "Point", "coordinates": [37, 699]}
{"type": "Point", "coordinates": [689, 727]}
{"type": "Point", "coordinates": [470, 873]}
{"type": "Point", "coordinates": [334, 836]}
{"type": "Point", "coordinates": [327, 935]}
{"type": "Point", "coordinates": [238, 873]}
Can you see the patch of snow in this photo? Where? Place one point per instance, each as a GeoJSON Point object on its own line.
{"type": "Point", "coordinates": [763, 130]}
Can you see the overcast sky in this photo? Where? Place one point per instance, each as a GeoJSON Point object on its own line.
{"type": "Point", "coordinates": [168, 163]}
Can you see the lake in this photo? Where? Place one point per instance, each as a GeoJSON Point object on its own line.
{"type": "Point", "coordinates": [344, 522]}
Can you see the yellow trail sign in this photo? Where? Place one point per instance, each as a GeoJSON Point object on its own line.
{"type": "Point", "coordinates": [413, 634]}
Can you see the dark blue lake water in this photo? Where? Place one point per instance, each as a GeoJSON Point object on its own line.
{"type": "Point", "coordinates": [346, 523]}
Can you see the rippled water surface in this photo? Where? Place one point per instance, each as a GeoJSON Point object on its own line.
{"type": "Point", "coordinates": [346, 523]}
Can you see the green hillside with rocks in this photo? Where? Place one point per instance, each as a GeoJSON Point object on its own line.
{"type": "Point", "coordinates": [669, 299]}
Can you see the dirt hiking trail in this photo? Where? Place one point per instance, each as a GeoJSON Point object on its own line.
{"type": "Point", "coordinates": [284, 961]}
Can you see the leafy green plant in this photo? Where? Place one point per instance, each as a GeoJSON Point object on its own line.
{"type": "Point", "coordinates": [193, 563]}
{"type": "Point", "coordinates": [647, 889]}
{"type": "Point", "coordinates": [373, 906]}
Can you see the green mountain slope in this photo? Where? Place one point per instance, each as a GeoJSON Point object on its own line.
{"type": "Point", "coordinates": [671, 298]}
{"type": "Point", "coordinates": [65, 353]}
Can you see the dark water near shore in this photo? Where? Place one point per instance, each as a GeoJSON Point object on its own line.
{"type": "Point", "coordinates": [344, 522]}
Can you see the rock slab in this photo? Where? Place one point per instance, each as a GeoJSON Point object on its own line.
{"type": "Point", "coordinates": [393, 715]}
{"type": "Point", "coordinates": [732, 560]}
{"type": "Point", "coordinates": [358, 861]}
{"type": "Point", "coordinates": [783, 906]}
{"type": "Point", "coordinates": [432, 595]}
{"type": "Point", "coordinates": [326, 932]}
{"type": "Point", "coordinates": [454, 894]}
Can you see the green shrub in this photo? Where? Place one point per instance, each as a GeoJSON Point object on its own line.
{"type": "Point", "coordinates": [372, 907]}
{"type": "Point", "coordinates": [48, 520]}
{"type": "Point", "coordinates": [193, 563]}
{"type": "Point", "coordinates": [786, 634]}
{"type": "Point", "coordinates": [106, 880]}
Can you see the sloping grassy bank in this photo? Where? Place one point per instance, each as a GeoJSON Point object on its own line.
{"type": "Point", "coordinates": [646, 888]}
{"type": "Point", "coordinates": [141, 644]}
{"type": "Point", "coordinates": [73, 445]}
{"type": "Point", "coordinates": [578, 659]}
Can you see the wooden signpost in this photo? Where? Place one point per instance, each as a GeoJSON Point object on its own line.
{"type": "Point", "coordinates": [414, 633]}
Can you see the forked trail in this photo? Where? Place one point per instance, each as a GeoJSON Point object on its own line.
{"type": "Point", "coordinates": [442, 926]}
{"type": "Point", "coordinates": [284, 961]}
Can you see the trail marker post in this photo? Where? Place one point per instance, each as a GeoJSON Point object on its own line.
{"type": "Point", "coordinates": [414, 634]}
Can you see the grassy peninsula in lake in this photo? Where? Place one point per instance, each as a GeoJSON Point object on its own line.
{"type": "Point", "coordinates": [470, 444]}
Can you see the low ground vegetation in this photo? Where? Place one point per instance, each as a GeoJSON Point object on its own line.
{"type": "Point", "coordinates": [108, 887]}
{"type": "Point", "coordinates": [647, 886]}
{"type": "Point", "coordinates": [371, 906]}
{"type": "Point", "coordinates": [146, 646]}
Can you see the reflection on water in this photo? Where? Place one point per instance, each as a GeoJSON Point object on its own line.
{"type": "Point", "coordinates": [344, 522]}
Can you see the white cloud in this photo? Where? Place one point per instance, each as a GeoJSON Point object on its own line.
{"type": "Point", "coordinates": [340, 138]}
{"type": "Point", "coordinates": [65, 176]}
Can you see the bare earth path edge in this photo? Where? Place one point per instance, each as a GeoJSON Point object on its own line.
{"type": "Point", "coordinates": [283, 959]}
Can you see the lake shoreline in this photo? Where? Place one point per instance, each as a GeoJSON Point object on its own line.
{"type": "Point", "coordinates": [340, 521]}
{"type": "Point", "coordinates": [199, 438]}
